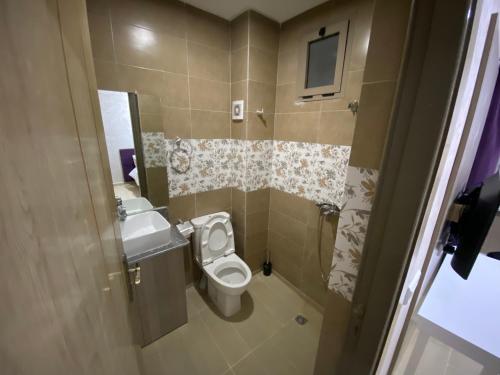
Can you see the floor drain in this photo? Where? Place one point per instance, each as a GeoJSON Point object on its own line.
{"type": "Point", "coordinates": [300, 320]}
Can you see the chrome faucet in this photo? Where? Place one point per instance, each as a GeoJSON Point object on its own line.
{"type": "Point", "coordinates": [122, 213]}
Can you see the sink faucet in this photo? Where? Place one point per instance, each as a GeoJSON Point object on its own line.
{"type": "Point", "coordinates": [122, 213]}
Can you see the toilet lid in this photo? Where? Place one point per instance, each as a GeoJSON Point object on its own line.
{"type": "Point", "coordinates": [217, 239]}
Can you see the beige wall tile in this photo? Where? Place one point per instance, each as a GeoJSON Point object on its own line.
{"type": "Point", "coordinates": [239, 90]}
{"type": "Point", "coordinates": [238, 199]}
{"type": "Point", "coordinates": [256, 222]}
{"type": "Point", "coordinates": [108, 76]}
{"type": "Point", "coordinates": [353, 81]}
{"type": "Point", "coordinates": [101, 38]}
{"type": "Point", "coordinates": [210, 125]}
{"type": "Point", "coordinates": [264, 33]}
{"type": "Point", "coordinates": [261, 95]}
{"type": "Point", "coordinates": [360, 34]}
{"type": "Point", "coordinates": [207, 62]}
{"type": "Point", "coordinates": [285, 247]}
{"type": "Point", "coordinates": [285, 266]}
{"type": "Point", "coordinates": [213, 201]}
{"type": "Point", "coordinates": [260, 127]}
{"type": "Point", "coordinates": [238, 129]}
{"type": "Point", "coordinates": [239, 31]}
{"type": "Point", "coordinates": [182, 207]}
{"type": "Point", "coordinates": [288, 227]}
{"type": "Point", "coordinates": [336, 128]}
{"type": "Point", "coordinates": [151, 122]}
{"type": "Point", "coordinates": [239, 242]}
{"type": "Point", "coordinates": [286, 100]}
{"type": "Point", "coordinates": [176, 122]}
{"type": "Point", "coordinates": [384, 63]}
{"type": "Point", "coordinates": [210, 95]}
{"type": "Point", "coordinates": [157, 186]}
{"type": "Point", "coordinates": [289, 38]}
{"type": "Point", "coordinates": [239, 61]}
{"type": "Point", "coordinates": [287, 66]}
{"type": "Point", "coordinates": [290, 205]}
{"type": "Point", "coordinates": [263, 65]}
{"type": "Point", "coordinates": [97, 7]}
{"type": "Point", "coordinates": [205, 28]}
{"type": "Point", "coordinates": [145, 48]}
{"type": "Point", "coordinates": [256, 243]}
{"type": "Point", "coordinates": [257, 201]}
{"type": "Point", "coordinates": [238, 220]}
{"type": "Point", "coordinates": [372, 124]}
{"type": "Point", "coordinates": [160, 16]}
{"type": "Point", "coordinates": [144, 81]}
{"type": "Point", "coordinates": [333, 331]}
{"type": "Point", "coordinates": [175, 90]}
{"type": "Point", "coordinates": [149, 104]}
{"type": "Point", "coordinates": [297, 127]}
{"type": "Point", "coordinates": [255, 261]}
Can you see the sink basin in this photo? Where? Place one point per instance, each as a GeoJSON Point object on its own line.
{"type": "Point", "coordinates": [144, 232]}
{"type": "Point", "coordinates": [135, 205]}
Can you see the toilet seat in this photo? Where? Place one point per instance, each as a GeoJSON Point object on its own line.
{"type": "Point", "coordinates": [216, 238]}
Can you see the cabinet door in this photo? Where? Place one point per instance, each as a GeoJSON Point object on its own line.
{"type": "Point", "coordinates": [161, 295]}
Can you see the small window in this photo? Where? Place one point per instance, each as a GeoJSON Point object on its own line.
{"type": "Point", "coordinates": [322, 62]}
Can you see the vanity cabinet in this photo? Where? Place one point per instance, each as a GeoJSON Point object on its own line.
{"type": "Point", "coordinates": [159, 299]}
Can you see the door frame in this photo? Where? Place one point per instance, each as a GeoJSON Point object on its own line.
{"type": "Point", "coordinates": [456, 162]}
{"type": "Point", "coordinates": [428, 86]}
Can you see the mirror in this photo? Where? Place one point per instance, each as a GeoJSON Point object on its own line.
{"type": "Point", "coordinates": [133, 129]}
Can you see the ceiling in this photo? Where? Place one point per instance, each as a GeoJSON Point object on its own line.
{"type": "Point", "coordinates": [279, 10]}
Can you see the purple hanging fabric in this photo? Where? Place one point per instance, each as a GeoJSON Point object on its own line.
{"type": "Point", "coordinates": [488, 152]}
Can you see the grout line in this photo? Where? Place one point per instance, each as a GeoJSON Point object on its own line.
{"type": "Point", "coordinates": [221, 352]}
{"type": "Point", "coordinates": [108, 10]}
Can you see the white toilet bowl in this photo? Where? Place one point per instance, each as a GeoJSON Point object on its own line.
{"type": "Point", "coordinates": [228, 275]}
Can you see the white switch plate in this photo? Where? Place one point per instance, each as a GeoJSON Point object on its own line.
{"type": "Point", "coordinates": [238, 109]}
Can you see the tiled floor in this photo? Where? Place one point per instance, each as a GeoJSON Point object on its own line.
{"type": "Point", "coordinates": [263, 338]}
{"type": "Point", "coordinates": [438, 358]}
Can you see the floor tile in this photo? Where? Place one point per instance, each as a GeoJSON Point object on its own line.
{"type": "Point", "coordinates": [227, 338]}
{"type": "Point", "coordinates": [262, 338]}
{"type": "Point", "coordinates": [195, 302]}
{"type": "Point", "coordinates": [254, 322]}
{"type": "Point", "coordinates": [299, 344]}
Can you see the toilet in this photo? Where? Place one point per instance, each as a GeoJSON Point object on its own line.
{"type": "Point", "coordinates": [227, 274]}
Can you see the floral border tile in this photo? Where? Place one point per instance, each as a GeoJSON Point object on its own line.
{"type": "Point", "coordinates": [351, 231]}
{"type": "Point", "coordinates": [310, 170]}
{"type": "Point", "coordinates": [153, 144]}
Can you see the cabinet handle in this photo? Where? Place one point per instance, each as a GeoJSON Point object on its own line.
{"type": "Point", "coordinates": [137, 274]}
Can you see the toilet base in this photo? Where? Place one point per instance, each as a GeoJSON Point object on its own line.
{"type": "Point", "coordinates": [228, 305]}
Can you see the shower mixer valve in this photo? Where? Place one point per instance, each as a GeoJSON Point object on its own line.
{"type": "Point", "coordinates": [327, 209]}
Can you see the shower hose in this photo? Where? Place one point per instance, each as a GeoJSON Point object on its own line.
{"type": "Point", "coordinates": [325, 210]}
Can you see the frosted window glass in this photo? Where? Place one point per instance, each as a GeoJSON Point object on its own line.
{"type": "Point", "coordinates": [322, 57]}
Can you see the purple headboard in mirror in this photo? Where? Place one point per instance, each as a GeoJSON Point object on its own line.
{"type": "Point", "coordinates": [127, 162]}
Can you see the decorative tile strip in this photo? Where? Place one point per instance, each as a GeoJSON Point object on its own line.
{"type": "Point", "coordinates": [351, 231]}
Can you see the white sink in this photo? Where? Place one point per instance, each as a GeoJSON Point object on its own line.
{"type": "Point", "coordinates": [135, 205]}
{"type": "Point", "coordinates": [143, 232]}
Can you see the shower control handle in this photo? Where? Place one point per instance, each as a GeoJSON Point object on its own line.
{"type": "Point", "coordinates": [327, 209]}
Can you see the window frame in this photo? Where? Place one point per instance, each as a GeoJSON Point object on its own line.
{"type": "Point", "coordinates": [327, 91]}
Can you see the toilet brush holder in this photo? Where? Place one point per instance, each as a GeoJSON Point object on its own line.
{"type": "Point", "coordinates": [267, 268]}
